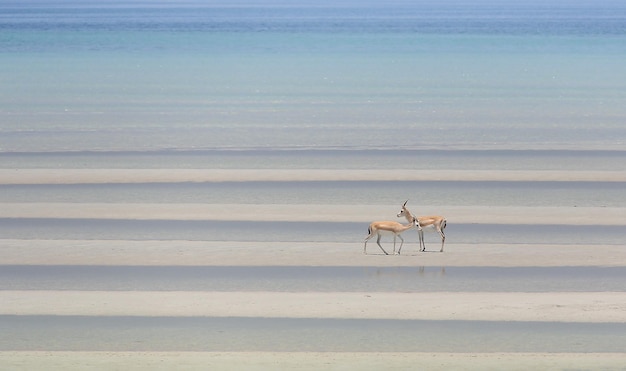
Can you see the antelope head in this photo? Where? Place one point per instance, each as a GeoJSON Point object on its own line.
{"type": "Point", "coordinates": [403, 210]}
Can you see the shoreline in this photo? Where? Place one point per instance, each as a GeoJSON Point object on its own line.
{"type": "Point", "coordinates": [63, 360]}
{"type": "Point", "coordinates": [312, 213]}
{"type": "Point", "coordinates": [238, 253]}
{"type": "Point", "coordinates": [109, 176]}
{"type": "Point", "coordinates": [582, 307]}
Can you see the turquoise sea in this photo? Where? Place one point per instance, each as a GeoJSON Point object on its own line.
{"type": "Point", "coordinates": [158, 75]}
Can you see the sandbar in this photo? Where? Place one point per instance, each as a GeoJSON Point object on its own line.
{"type": "Point", "coordinates": [91, 176]}
{"type": "Point", "coordinates": [40, 360]}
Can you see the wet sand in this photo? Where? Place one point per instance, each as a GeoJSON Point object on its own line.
{"type": "Point", "coordinates": [309, 360]}
{"type": "Point", "coordinates": [590, 307]}
{"type": "Point", "coordinates": [313, 213]}
{"type": "Point", "coordinates": [239, 253]}
{"type": "Point", "coordinates": [71, 298]}
{"type": "Point", "coordinates": [236, 328]}
{"type": "Point", "coordinates": [91, 176]}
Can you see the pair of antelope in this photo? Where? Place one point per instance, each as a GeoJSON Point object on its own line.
{"type": "Point", "coordinates": [435, 222]}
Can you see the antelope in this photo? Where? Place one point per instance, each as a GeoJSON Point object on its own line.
{"type": "Point", "coordinates": [432, 222]}
{"type": "Point", "coordinates": [387, 227]}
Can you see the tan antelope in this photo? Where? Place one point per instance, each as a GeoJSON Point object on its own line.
{"type": "Point", "coordinates": [388, 227]}
{"type": "Point", "coordinates": [432, 222]}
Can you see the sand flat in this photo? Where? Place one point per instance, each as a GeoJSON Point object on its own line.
{"type": "Point", "coordinates": [315, 213]}
{"type": "Point", "coordinates": [93, 176]}
{"type": "Point", "coordinates": [39, 360]}
{"type": "Point", "coordinates": [591, 307]}
{"type": "Point", "coordinates": [237, 253]}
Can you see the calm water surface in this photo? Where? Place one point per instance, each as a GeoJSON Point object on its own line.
{"type": "Point", "coordinates": [76, 333]}
{"type": "Point", "coordinates": [318, 279]}
{"type": "Point", "coordinates": [196, 75]}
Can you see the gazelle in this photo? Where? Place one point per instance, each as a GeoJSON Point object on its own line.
{"type": "Point", "coordinates": [388, 227]}
{"type": "Point", "coordinates": [432, 222]}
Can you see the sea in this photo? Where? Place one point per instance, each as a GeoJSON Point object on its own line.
{"type": "Point", "coordinates": [152, 77]}
{"type": "Point", "coordinates": [457, 86]}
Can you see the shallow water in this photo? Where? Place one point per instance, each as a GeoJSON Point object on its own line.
{"type": "Point", "coordinates": [263, 231]}
{"type": "Point", "coordinates": [77, 333]}
{"type": "Point", "coordinates": [322, 158]}
{"type": "Point", "coordinates": [462, 193]}
{"type": "Point", "coordinates": [307, 278]}
{"type": "Point", "coordinates": [154, 76]}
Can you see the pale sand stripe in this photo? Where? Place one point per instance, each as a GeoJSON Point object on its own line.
{"type": "Point", "coordinates": [233, 253]}
{"type": "Point", "coordinates": [304, 361]}
{"type": "Point", "coordinates": [78, 176]}
{"type": "Point", "coordinates": [316, 213]}
{"type": "Point", "coordinates": [597, 307]}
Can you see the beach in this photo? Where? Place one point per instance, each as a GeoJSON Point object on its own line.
{"type": "Point", "coordinates": [311, 361]}
{"type": "Point", "coordinates": [142, 303]}
{"type": "Point", "coordinates": [172, 282]}
{"type": "Point", "coordinates": [189, 185]}
{"type": "Point", "coordinates": [74, 327]}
